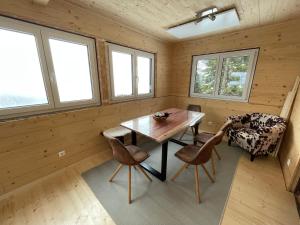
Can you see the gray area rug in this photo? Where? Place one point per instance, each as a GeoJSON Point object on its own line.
{"type": "Point", "coordinates": [165, 203]}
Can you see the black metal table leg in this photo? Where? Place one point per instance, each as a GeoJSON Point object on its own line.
{"type": "Point", "coordinates": [178, 142]}
{"type": "Point", "coordinates": [164, 159]}
{"type": "Point", "coordinates": [196, 127]}
{"type": "Point", "coordinates": [121, 138]}
{"type": "Point", "coordinates": [133, 137]}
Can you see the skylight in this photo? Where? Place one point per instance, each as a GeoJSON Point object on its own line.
{"type": "Point", "coordinates": [198, 26]}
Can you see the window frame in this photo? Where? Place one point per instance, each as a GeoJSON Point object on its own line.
{"type": "Point", "coordinates": [70, 38]}
{"type": "Point", "coordinates": [23, 27]}
{"type": "Point", "coordinates": [134, 54]}
{"type": "Point", "coordinates": [40, 32]}
{"type": "Point", "coordinates": [253, 56]}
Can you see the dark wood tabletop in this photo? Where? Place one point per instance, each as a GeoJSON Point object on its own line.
{"type": "Point", "coordinates": [160, 131]}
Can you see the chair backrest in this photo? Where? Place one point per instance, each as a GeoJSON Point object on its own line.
{"type": "Point", "coordinates": [224, 128]}
{"type": "Point", "coordinates": [120, 152]}
{"type": "Point", "coordinates": [204, 153]}
{"type": "Point", "coordinates": [195, 108]}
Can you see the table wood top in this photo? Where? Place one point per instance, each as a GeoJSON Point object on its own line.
{"type": "Point", "coordinates": [163, 130]}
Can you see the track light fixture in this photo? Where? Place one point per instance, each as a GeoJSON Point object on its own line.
{"type": "Point", "coordinates": [206, 13]}
{"type": "Point", "coordinates": [205, 21]}
{"type": "Point", "coordinates": [212, 17]}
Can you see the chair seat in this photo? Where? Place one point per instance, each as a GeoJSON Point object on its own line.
{"type": "Point", "coordinates": [203, 137]}
{"type": "Point", "coordinates": [137, 153]}
{"type": "Point", "coordinates": [187, 153]}
{"type": "Point", "coordinates": [116, 132]}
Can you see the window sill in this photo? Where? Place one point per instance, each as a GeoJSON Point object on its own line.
{"type": "Point", "coordinates": [129, 99]}
{"type": "Point", "coordinates": [220, 98]}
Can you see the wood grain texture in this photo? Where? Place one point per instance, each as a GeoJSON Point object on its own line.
{"type": "Point", "coordinates": [258, 195]}
{"type": "Point", "coordinates": [64, 198]}
{"type": "Point", "coordinates": [29, 147]}
{"type": "Point", "coordinates": [162, 130]}
{"type": "Point", "coordinates": [61, 198]}
{"type": "Point", "coordinates": [290, 147]}
{"type": "Point", "coordinates": [155, 16]}
{"type": "Point", "coordinates": [276, 70]}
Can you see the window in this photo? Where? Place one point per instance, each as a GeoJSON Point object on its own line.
{"type": "Point", "coordinates": [223, 75]}
{"type": "Point", "coordinates": [132, 73]}
{"type": "Point", "coordinates": [43, 69]}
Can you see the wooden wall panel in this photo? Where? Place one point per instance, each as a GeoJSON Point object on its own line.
{"type": "Point", "coordinates": [29, 147]}
{"type": "Point", "coordinates": [290, 149]}
{"type": "Point", "coordinates": [277, 67]}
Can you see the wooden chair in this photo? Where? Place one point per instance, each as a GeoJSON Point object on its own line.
{"type": "Point", "coordinates": [203, 137]}
{"type": "Point", "coordinates": [195, 108]}
{"type": "Point", "coordinates": [198, 155]}
{"type": "Point", "coordinates": [117, 132]}
{"type": "Point", "coordinates": [129, 155]}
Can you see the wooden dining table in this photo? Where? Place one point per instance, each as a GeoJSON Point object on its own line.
{"type": "Point", "coordinates": [163, 132]}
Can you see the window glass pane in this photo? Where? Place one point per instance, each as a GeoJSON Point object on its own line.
{"type": "Point", "coordinates": [144, 75]}
{"type": "Point", "coordinates": [206, 70]}
{"type": "Point", "coordinates": [72, 71]}
{"type": "Point", "coordinates": [234, 76]}
{"type": "Point", "coordinates": [21, 80]}
{"type": "Point", "coordinates": [122, 77]}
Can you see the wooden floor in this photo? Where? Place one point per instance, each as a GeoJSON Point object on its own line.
{"type": "Point", "coordinates": [257, 196]}
{"type": "Point", "coordinates": [62, 198]}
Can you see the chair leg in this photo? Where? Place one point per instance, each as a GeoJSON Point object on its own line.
{"type": "Point", "coordinates": [115, 173]}
{"type": "Point", "coordinates": [213, 166]}
{"type": "Point", "coordinates": [252, 157]}
{"type": "Point", "coordinates": [218, 155]}
{"type": "Point", "coordinates": [197, 184]}
{"type": "Point", "coordinates": [229, 142]}
{"type": "Point", "coordinates": [143, 171]}
{"type": "Point", "coordinates": [129, 184]}
{"type": "Point", "coordinates": [207, 173]}
{"type": "Point", "coordinates": [179, 171]}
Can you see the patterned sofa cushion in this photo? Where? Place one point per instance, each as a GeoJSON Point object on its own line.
{"type": "Point", "coordinates": [258, 133]}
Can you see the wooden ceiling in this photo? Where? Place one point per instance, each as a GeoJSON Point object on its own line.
{"type": "Point", "coordinates": [154, 16]}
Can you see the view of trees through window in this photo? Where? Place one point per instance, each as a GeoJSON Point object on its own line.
{"type": "Point", "coordinates": [233, 75]}
{"type": "Point", "coordinates": [226, 75]}
{"type": "Point", "coordinates": [205, 76]}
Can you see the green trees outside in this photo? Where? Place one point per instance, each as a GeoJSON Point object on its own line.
{"type": "Point", "coordinates": [233, 76]}
{"type": "Point", "coordinates": [205, 76]}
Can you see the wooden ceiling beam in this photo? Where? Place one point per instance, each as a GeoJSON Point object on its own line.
{"type": "Point", "coordinates": [41, 2]}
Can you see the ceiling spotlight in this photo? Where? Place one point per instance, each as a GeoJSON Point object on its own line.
{"type": "Point", "coordinates": [212, 16]}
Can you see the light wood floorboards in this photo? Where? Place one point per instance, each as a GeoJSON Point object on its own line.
{"type": "Point", "coordinates": [257, 196]}
{"type": "Point", "coordinates": [62, 198]}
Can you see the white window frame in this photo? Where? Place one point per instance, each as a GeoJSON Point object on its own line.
{"type": "Point", "coordinates": [47, 34]}
{"type": "Point", "coordinates": [41, 35]}
{"type": "Point", "coordinates": [22, 27]}
{"type": "Point", "coordinates": [253, 53]}
{"type": "Point", "coordinates": [134, 54]}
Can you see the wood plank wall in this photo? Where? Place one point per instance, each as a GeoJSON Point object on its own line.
{"type": "Point", "coordinates": [28, 147]}
{"type": "Point", "coordinates": [277, 67]}
{"type": "Point", "coordinates": [276, 71]}
{"type": "Point", "coordinates": [290, 149]}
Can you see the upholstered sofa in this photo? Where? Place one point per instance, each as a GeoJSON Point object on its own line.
{"type": "Point", "coordinates": [258, 133]}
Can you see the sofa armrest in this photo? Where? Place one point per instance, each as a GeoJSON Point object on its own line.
{"type": "Point", "coordinates": [273, 132]}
